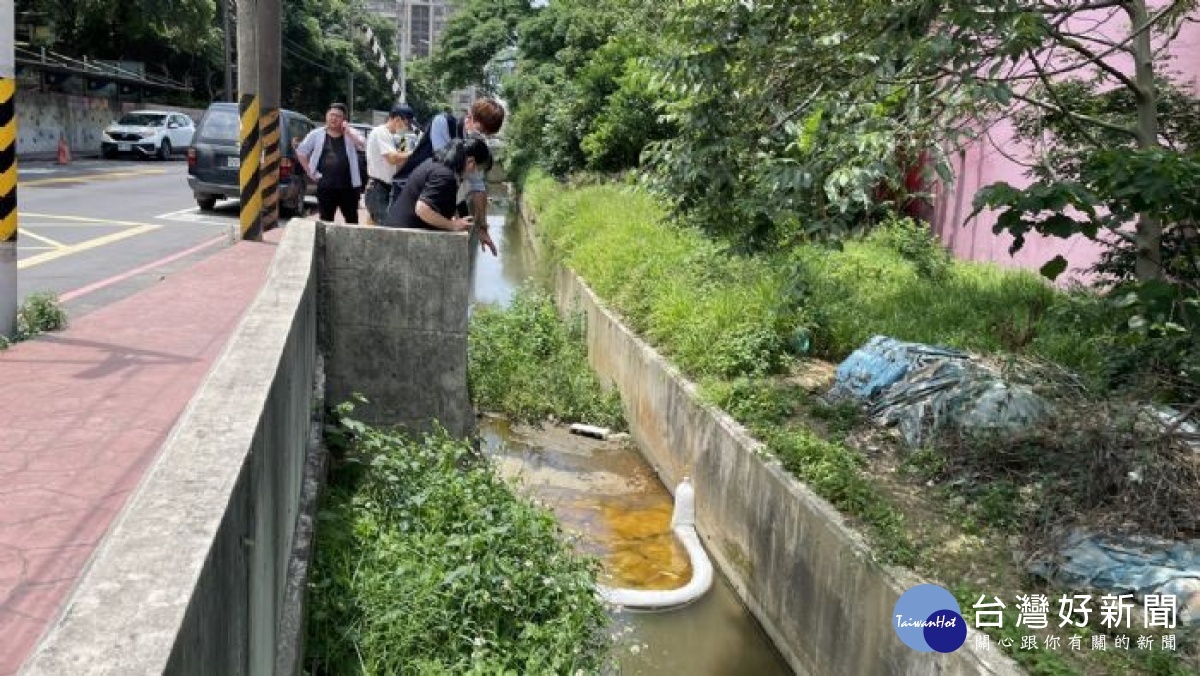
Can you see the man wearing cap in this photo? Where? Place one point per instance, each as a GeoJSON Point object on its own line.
{"type": "Point", "coordinates": [387, 150]}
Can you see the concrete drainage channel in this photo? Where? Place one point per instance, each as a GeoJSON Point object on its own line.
{"type": "Point", "coordinates": [606, 495]}
{"type": "Point", "coordinates": [683, 526]}
{"type": "Point", "coordinates": [804, 574]}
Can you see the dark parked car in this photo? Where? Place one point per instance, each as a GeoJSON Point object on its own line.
{"type": "Point", "coordinates": [214, 159]}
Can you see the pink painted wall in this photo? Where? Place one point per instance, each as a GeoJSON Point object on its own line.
{"type": "Point", "coordinates": [987, 161]}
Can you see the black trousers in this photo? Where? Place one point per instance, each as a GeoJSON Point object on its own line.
{"type": "Point", "coordinates": [330, 200]}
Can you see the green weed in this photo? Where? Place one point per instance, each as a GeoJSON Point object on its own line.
{"type": "Point", "coordinates": [524, 362]}
{"type": "Point", "coordinates": [39, 313]}
{"type": "Point", "coordinates": [427, 562]}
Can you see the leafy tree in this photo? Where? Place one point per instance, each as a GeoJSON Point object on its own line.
{"type": "Point", "coordinates": [580, 98]}
{"type": "Point", "coordinates": [791, 120]}
{"type": "Point", "coordinates": [1032, 54]}
{"type": "Point", "coordinates": [475, 34]}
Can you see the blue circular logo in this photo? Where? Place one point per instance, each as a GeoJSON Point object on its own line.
{"type": "Point", "coordinates": [927, 618]}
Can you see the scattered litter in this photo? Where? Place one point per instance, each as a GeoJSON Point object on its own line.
{"type": "Point", "coordinates": [590, 431]}
{"type": "Point", "coordinates": [619, 436]}
{"type": "Point", "coordinates": [922, 389]}
{"type": "Point", "coordinates": [1175, 423]}
{"type": "Point", "coordinates": [1129, 565]}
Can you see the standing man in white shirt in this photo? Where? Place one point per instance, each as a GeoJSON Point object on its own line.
{"type": "Point", "coordinates": [329, 155]}
{"type": "Point", "coordinates": [386, 153]}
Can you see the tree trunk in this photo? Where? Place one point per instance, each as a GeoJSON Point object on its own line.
{"type": "Point", "coordinates": [1149, 230]}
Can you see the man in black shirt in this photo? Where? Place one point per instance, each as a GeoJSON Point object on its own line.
{"type": "Point", "coordinates": [329, 155]}
{"type": "Point", "coordinates": [429, 198]}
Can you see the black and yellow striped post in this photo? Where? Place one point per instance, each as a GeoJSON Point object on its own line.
{"type": "Point", "coordinates": [248, 178]}
{"type": "Point", "coordinates": [269, 27]}
{"type": "Point", "coordinates": [8, 184]}
{"type": "Point", "coordinates": [269, 175]}
{"type": "Point", "coordinates": [248, 128]}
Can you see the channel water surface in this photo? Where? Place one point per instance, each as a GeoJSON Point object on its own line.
{"type": "Point", "coordinates": [606, 494]}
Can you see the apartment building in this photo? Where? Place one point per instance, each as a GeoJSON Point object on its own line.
{"type": "Point", "coordinates": [421, 20]}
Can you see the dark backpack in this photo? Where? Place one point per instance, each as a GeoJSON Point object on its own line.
{"type": "Point", "coordinates": [424, 149]}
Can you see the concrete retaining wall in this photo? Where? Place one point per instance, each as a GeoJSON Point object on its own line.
{"type": "Point", "coordinates": [807, 577]}
{"type": "Point", "coordinates": [43, 117]}
{"type": "Point", "coordinates": [397, 325]}
{"type": "Point", "coordinates": [193, 577]}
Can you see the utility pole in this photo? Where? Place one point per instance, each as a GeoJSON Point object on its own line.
{"type": "Point", "coordinates": [248, 110]}
{"type": "Point", "coordinates": [402, 29]}
{"type": "Point", "coordinates": [8, 172]}
{"type": "Point", "coordinates": [268, 86]}
{"type": "Point", "coordinates": [228, 48]}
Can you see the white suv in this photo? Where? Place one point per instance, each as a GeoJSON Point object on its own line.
{"type": "Point", "coordinates": [148, 133]}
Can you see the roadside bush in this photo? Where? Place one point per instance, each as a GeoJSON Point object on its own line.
{"type": "Point", "coordinates": [916, 244]}
{"type": "Point", "coordinates": [39, 313]}
{"type": "Point", "coordinates": [427, 562]}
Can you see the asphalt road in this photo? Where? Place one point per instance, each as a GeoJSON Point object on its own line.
{"type": "Point", "coordinates": [95, 231]}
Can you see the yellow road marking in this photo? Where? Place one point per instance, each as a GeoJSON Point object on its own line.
{"type": "Point", "coordinates": [25, 232]}
{"type": "Point", "coordinates": [84, 246]}
{"type": "Point", "coordinates": [93, 177]}
{"type": "Point", "coordinates": [43, 224]}
{"type": "Point", "coordinates": [91, 220]}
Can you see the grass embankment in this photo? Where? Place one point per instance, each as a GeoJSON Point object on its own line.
{"type": "Point", "coordinates": [428, 563]}
{"type": "Point", "coordinates": [743, 326]}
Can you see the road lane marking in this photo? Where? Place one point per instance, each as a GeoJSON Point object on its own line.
{"type": "Point", "coordinates": [86, 245]}
{"type": "Point", "coordinates": [26, 232]}
{"type": "Point", "coordinates": [194, 215]}
{"type": "Point", "coordinates": [47, 224]}
{"type": "Point", "coordinates": [110, 176]}
{"type": "Point", "coordinates": [93, 220]}
{"type": "Point", "coordinates": [96, 286]}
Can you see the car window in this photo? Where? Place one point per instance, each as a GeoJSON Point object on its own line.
{"type": "Point", "coordinates": [180, 120]}
{"type": "Point", "coordinates": [220, 125]}
{"type": "Point", "coordinates": [297, 130]}
{"type": "Point", "coordinates": [142, 119]}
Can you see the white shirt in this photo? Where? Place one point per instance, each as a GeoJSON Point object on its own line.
{"type": "Point", "coordinates": [380, 142]}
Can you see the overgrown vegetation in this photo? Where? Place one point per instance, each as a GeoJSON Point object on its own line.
{"type": "Point", "coordinates": [427, 562]}
{"type": "Point", "coordinates": [1098, 464]}
{"type": "Point", "coordinates": [39, 313]}
{"type": "Point", "coordinates": [527, 363]}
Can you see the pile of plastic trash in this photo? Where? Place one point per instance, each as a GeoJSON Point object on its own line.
{"type": "Point", "coordinates": [1129, 565]}
{"type": "Point", "coordinates": [923, 389]}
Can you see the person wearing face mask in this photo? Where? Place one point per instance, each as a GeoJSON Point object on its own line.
{"type": "Point", "coordinates": [329, 155]}
{"type": "Point", "coordinates": [386, 153]}
{"type": "Point", "coordinates": [429, 198]}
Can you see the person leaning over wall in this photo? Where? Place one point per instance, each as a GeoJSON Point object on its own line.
{"type": "Point", "coordinates": [484, 118]}
{"type": "Point", "coordinates": [429, 198]}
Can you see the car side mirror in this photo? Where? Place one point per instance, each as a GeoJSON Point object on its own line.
{"type": "Point", "coordinates": [173, 125]}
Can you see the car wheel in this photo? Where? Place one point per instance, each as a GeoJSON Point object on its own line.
{"type": "Point", "coordinates": [293, 208]}
{"type": "Point", "coordinates": [164, 150]}
{"type": "Point", "coordinates": [206, 203]}
{"type": "Point", "coordinates": [109, 154]}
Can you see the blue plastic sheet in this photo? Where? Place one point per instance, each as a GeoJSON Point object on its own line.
{"type": "Point", "coordinates": [922, 389]}
{"type": "Point", "coordinates": [1129, 565]}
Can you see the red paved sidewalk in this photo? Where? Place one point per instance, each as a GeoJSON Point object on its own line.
{"type": "Point", "coordinates": [85, 411]}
